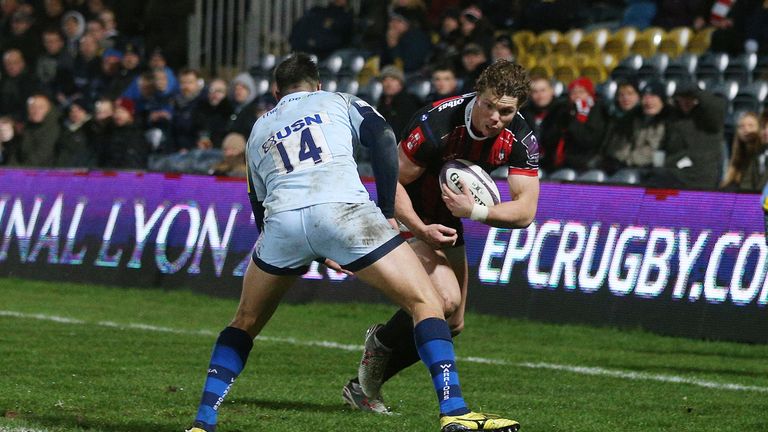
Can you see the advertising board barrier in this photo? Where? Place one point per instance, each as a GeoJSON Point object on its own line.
{"type": "Point", "coordinates": [687, 263]}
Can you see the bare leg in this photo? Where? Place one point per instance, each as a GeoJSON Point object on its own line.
{"type": "Point", "coordinates": [259, 299]}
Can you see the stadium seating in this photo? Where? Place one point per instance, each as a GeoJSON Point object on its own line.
{"type": "Point", "coordinates": [329, 84]}
{"type": "Point", "coordinates": [711, 66]}
{"type": "Point", "coordinates": [675, 42]}
{"type": "Point", "coordinates": [653, 67]}
{"type": "Point", "coordinates": [607, 90]}
{"type": "Point", "coordinates": [264, 67]}
{"type": "Point", "coordinates": [647, 42]}
{"type": "Point", "coordinates": [564, 174]}
{"type": "Point", "coordinates": [750, 97]}
{"type": "Point", "coordinates": [593, 175]}
{"type": "Point", "coordinates": [420, 88]}
{"type": "Point", "coordinates": [566, 72]}
{"type": "Point", "coordinates": [629, 176]}
{"type": "Point", "coordinates": [348, 85]}
{"type": "Point", "coordinates": [741, 68]}
{"type": "Point", "coordinates": [682, 68]}
{"type": "Point", "coordinates": [628, 67]}
{"type": "Point", "coordinates": [523, 40]}
{"type": "Point", "coordinates": [700, 41]}
{"type": "Point", "coordinates": [371, 92]}
{"type": "Point", "coordinates": [620, 42]}
{"type": "Point", "coordinates": [593, 42]}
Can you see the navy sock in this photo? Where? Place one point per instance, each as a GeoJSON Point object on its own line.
{"type": "Point", "coordinates": [435, 347]}
{"type": "Point", "coordinates": [397, 335]}
{"type": "Point", "coordinates": [227, 361]}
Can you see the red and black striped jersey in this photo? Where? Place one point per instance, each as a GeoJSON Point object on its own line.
{"type": "Point", "coordinates": [441, 132]}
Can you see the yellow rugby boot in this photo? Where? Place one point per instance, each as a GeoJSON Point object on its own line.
{"type": "Point", "coordinates": [473, 421]}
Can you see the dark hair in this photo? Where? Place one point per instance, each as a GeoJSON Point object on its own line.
{"type": "Point", "coordinates": [295, 70]}
{"type": "Point", "coordinates": [505, 78]}
{"type": "Point", "coordinates": [444, 66]}
{"type": "Point", "coordinates": [190, 71]}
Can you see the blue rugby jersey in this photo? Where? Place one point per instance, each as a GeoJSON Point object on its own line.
{"type": "Point", "coordinates": [301, 152]}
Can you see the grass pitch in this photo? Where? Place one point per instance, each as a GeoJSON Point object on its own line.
{"type": "Point", "coordinates": [88, 358]}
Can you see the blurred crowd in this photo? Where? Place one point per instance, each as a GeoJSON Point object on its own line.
{"type": "Point", "coordinates": [76, 90]}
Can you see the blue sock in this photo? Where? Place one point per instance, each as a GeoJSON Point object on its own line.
{"type": "Point", "coordinates": [435, 346]}
{"type": "Point", "coordinates": [227, 361]}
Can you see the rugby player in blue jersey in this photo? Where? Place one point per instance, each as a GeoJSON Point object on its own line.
{"type": "Point", "coordinates": [309, 204]}
{"type": "Point", "coordinates": [486, 128]}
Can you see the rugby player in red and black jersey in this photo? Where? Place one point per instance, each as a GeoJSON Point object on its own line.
{"type": "Point", "coordinates": [486, 128]}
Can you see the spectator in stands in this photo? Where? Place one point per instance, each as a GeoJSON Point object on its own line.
{"type": "Point", "coordinates": [627, 97]}
{"type": "Point", "coordinates": [233, 161]}
{"type": "Point", "coordinates": [213, 115]}
{"type": "Point", "coordinates": [130, 69]}
{"type": "Point", "coordinates": [244, 105]}
{"type": "Point", "coordinates": [157, 113]}
{"type": "Point", "coordinates": [583, 126]}
{"type": "Point", "coordinates": [184, 127]}
{"type": "Point", "coordinates": [503, 48]}
{"type": "Point", "coordinates": [323, 29]}
{"type": "Point", "coordinates": [157, 61]}
{"type": "Point", "coordinates": [96, 29]}
{"type": "Point", "coordinates": [405, 44]}
{"type": "Point", "coordinates": [396, 105]}
{"type": "Point", "coordinates": [756, 31]}
{"type": "Point", "coordinates": [107, 81]}
{"type": "Point", "coordinates": [54, 66]}
{"type": "Point", "coordinates": [414, 10]}
{"type": "Point", "coordinates": [542, 112]}
{"type": "Point", "coordinates": [16, 85]}
{"type": "Point", "coordinates": [694, 144]}
{"type": "Point", "coordinates": [444, 83]}
{"type": "Point", "coordinates": [636, 136]}
{"type": "Point", "coordinates": [41, 133]}
{"type": "Point", "coordinates": [73, 25]}
{"type": "Point", "coordinates": [7, 9]}
{"type": "Point", "coordinates": [639, 13]}
{"type": "Point", "coordinates": [95, 8]}
{"type": "Point", "coordinates": [474, 62]}
{"type": "Point", "coordinates": [371, 24]}
{"type": "Point", "coordinates": [448, 44]}
{"type": "Point", "coordinates": [10, 142]}
{"type": "Point", "coordinates": [731, 19]}
{"type": "Point", "coordinates": [746, 170]}
{"type": "Point", "coordinates": [23, 37]}
{"type": "Point", "coordinates": [111, 33]}
{"type": "Point", "coordinates": [125, 147]}
{"type": "Point", "coordinates": [76, 147]}
{"type": "Point", "coordinates": [87, 64]}
{"type": "Point", "coordinates": [101, 127]}
{"type": "Point", "coordinates": [476, 30]}
{"type": "Point", "coordinates": [53, 10]}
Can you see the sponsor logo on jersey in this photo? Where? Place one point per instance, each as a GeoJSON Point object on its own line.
{"type": "Point", "coordinates": [450, 104]}
{"type": "Point", "coordinates": [414, 139]}
{"type": "Point", "coordinates": [297, 126]}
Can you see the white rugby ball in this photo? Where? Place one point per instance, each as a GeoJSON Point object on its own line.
{"type": "Point", "coordinates": [481, 185]}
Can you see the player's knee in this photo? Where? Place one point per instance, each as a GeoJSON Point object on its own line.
{"type": "Point", "coordinates": [456, 328]}
{"type": "Point", "coordinates": [245, 321]}
{"type": "Point", "coordinates": [450, 306]}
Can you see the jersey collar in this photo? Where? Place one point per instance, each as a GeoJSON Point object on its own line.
{"type": "Point", "coordinates": [468, 120]}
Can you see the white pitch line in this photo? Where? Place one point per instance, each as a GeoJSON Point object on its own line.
{"type": "Point", "coordinates": [582, 370]}
{"type": "Point", "coordinates": [22, 429]}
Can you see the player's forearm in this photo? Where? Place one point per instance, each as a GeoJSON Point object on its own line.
{"type": "Point", "coordinates": [405, 213]}
{"type": "Point", "coordinates": [511, 214]}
